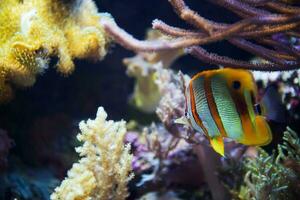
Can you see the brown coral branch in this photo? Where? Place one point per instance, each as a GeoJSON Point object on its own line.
{"type": "Point", "coordinates": [261, 20]}
{"type": "Point", "coordinates": [267, 54]}
{"type": "Point", "coordinates": [240, 8]}
{"type": "Point", "coordinates": [256, 2]}
{"type": "Point", "coordinates": [269, 30]}
{"type": "Point", "coordinates": [174, 31]}
{"type": "Point", "coordinates": [282, 8]}
{"type": "Point", "coordinates": [212, 58]}
{"type": "Point", "coordinates": [129, 42]}
{"type": "Point", "coordinates": [281, 47]}
{"type": "Point", "coordinates": [192, 17]}
{"type": "Point", "coordinates": [251, 33]}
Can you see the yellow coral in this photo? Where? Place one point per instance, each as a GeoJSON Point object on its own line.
{"type": "Point", "coordinates": [104, 169]}
{"type": "Point", "coordinates": [33, 30]}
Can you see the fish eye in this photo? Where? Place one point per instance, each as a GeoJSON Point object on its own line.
{"type": "Point", "coordinates": [186, 114]}
{"type": "Point", "coordinates": [236, 85]}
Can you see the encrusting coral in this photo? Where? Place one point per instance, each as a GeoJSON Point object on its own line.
{"type": "Point", "coordinates": [32, 31]}
{"type": "Point", "coordinates": [105, 166]}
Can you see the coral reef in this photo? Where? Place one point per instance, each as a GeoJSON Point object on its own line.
{"type": "Point", "coordinates": [258, 32]}
{"type": "Point", "coordinates": [163, 163]}
{"type": "Point", "coordinates": [160, 160]}
{"type": "Point", "coordinates": [266, 177]}
{"type": "Point", "coordinates": [33, 31]}
{"type": "Point", "coordinates": [105, 165]}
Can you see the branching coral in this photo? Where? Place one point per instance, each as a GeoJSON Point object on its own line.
{"type": "Point", "coordinates": [32, 31]}
{"type": "Point", "coordinates": [163, 163]}
{"type": "Point", "coordinates": [105, 165]}
{"type": "Point", "coordinates": [273, 177]}
{"type": "Point", "coordinates": [172, 104]}
{"type": "Point", "coordinates": [291, 146]}
{"type": "Point", "coordinates": [161, 144]}
{"type": "Point", "coordinates": [256, 32]}
{"type": "Point", "coordinates": [266, 178]}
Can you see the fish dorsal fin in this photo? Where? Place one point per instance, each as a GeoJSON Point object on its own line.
{"type": "Point", "coordinates": [217, 144]}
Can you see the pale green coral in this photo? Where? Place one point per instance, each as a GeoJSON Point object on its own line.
{"type": "Point", "coordinates": [291, 146]}
{"type": "Point", "coordinates": [268, 177]}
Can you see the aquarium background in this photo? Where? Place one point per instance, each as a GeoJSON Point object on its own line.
{"type": "Point", "coordinates": [42, 120]}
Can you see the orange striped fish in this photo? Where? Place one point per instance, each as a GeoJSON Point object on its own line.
{"type": "Point", "coordinates": [222, 104]}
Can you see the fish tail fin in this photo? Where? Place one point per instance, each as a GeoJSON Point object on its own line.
{"type": "Point", "coordinates": [260, 135]}
{"type": "Point", "coordinates": [217, 144]}
{"type": "Point", "coordinates": [263, 131]}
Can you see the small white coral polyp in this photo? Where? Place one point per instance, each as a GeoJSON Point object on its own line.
{"type": "Point", "coordinates": [105, 165]}
{"type": "Point", "coordinates": [32, 31]}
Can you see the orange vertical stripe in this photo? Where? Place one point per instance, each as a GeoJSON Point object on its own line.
{"type": "Point", "coordinates": [194, 110]}
{"type": "Point", "coordinates": [241, 106]}
{"type": "Point", "coordinates": [212, 105]}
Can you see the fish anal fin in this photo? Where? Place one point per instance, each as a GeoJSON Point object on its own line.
{"type": "Point", "coordinates": [217, 144]}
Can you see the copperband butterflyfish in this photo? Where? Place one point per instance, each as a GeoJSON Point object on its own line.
{"type": "Point", "coordinates": [222, 104]}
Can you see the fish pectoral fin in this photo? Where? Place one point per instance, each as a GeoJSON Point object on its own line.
{"type": "Point", "coordinates": [182, 120]}
{"type": "Point", "coordinates": [217, 144]}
